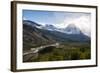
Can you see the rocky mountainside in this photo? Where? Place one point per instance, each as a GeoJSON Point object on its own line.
{"type": "Point", "coordinates": [33, 37]}
{"type": "Point", "coordinates": [35, 34]}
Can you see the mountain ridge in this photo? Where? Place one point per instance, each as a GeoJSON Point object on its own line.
{"type": "Point", "coordinates": [34, 36]}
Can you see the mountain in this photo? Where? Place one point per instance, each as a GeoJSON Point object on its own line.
{"type": "Point", "coordinates": [70, 33]}
{"type": "Point", "coordinates": [50, 27]}
{"type": "Point", "coordinates": [30, 23]}
{"type": "Point", "coordinates": [72, 29]}
{"type": "Point", "coordinates": [35, 34]}
{"type": "Point", "coordinates": [64, 37]}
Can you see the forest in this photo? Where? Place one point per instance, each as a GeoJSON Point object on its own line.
{"type": "Point", "coordinates": [65, 51]}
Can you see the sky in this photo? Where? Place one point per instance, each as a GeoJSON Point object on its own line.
{"type": "Point", "coordinates": [59, 19]}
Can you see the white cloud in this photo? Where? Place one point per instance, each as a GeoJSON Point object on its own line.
{"type": "Point", "coordinates": [83, 22]}
{"type": "Point", "coordinates": [24, 18]}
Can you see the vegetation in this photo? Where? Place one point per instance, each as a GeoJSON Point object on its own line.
{"type": "Point", "coordinates": [65, 51]}
{"type": "Point", "coordinates": [72, 46]}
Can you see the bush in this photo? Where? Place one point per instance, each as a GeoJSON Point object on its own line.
{"type": "Point", "coordinates": [75, 55]}
{"type": "Point", "coordinates": [63, 53]}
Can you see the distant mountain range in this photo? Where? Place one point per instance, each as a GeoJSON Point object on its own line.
{"type": "Point", "coordinates": [70, 29]}
{"type": "Point", "coordinates": [35, 34]}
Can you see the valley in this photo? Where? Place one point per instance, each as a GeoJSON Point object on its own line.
{"type": "Point", "coordinates": [68, 51]}
{"type": "Point", "coordinates": [40, 43]}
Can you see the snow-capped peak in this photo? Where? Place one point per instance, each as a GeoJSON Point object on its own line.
{"type": "Point", "coordinates": [72, 29]}
{"type": "Point", "coordinates": [50, 27]}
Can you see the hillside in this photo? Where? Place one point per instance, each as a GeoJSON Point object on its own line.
{"type": "Point", "coordinates": [35, 35]}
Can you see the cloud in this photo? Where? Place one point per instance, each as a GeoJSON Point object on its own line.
{"type": "Point", "coordinates": [24, 18]}
{"type": "Point", "coordinates": [83, 22]}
